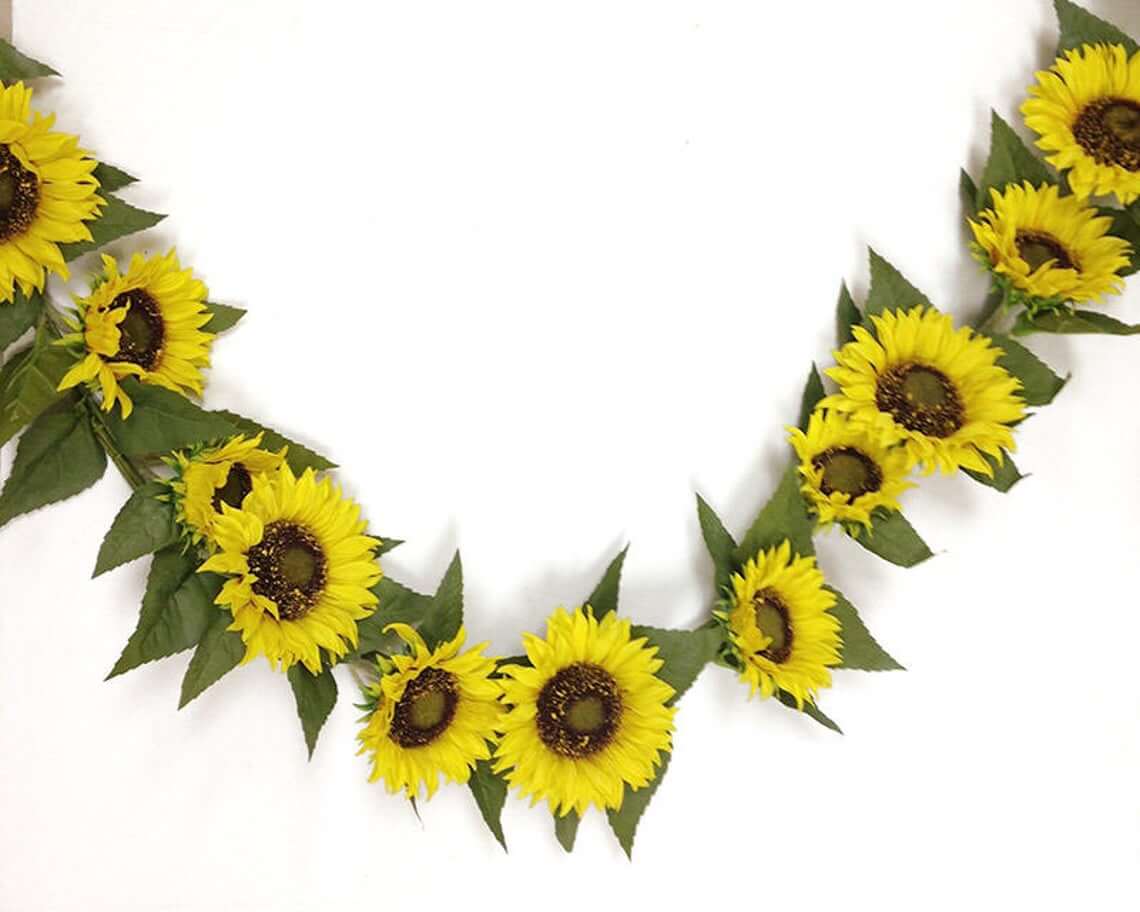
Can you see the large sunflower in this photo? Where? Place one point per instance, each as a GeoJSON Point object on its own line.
{"type": "Point", "coordinates": [146, 324]}
{"type": "Point", "coordinates": [430, 714]}
{"type": "Point", "coordinates": [48, 192]}
{"type": "Point", "coordinates": [589, 718]}
{"type": "Point", "coordinates": [847, 471]}
{"type": "Point", "coordinates": [1048, 246]}
{"type": "Point", "coordinates": [1086, 111]}
{"type": "Point", "coordinates": [780, 625]}
{"type": "Point", "coordinates": [302, 569]}
{"type": "Point", "coordinates": [207, 478]}
{"type": "Point", "coordinates": [937, 390]}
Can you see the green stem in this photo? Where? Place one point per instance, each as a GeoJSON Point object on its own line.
{"type": "Point", "coordinates": [993, 311]}
{"type": "Point", "coordinates": [134, 475]}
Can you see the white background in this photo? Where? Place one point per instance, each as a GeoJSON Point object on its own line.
{"type": "Point", "coordinates": [534, 273]}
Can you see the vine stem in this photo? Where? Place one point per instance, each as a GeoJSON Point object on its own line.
{"type": "Point", "coordinates": [993, 311]}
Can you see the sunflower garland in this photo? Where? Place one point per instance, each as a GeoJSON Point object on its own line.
{"type": "Point", "coordinates": [256, 551]}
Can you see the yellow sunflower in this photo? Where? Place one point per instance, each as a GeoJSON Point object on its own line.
{"type": "Point", "coordinates": [302, 569]}
{"type": "Point", "coordinates": [1050, 246]}
{"type": "Point", "coordinates": [432, 714]}
{"type": "Point", "coordinates": [1086, 111]}
{"type": "Point", "coordinates": [846, 470]}
{"type": "Point", "coordinates": [937, 390]}
{"type": "Point", "coordinates": [589, 718]}
{"type": "Point", "coordinates": [146, 324]}
{"type": "Point", "coordinates": [207, 478]}
{"type": "Point", "coordinates": [780, 625]}
{"type": "Point", "coordinates": [47, 193]}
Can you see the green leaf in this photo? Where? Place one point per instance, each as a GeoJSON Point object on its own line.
{"type": "Point", "coordinates": [809, 709]}
{"type": "Point", "coordinates": [721, 545]}
{"type": "Point", "coordinates": [684, 652]}
{"type": "Point", "coordinates": [18, 316]}
{"type": "Point", "coordinates": [633, 804]}
{"type": "Point", "coordinates": [893, 539]}
{"type": "Point", "coordinates": [445, 616]}
{"type": "Point", "coordinates": [117, 220]}
{"type": "Point", "coordinates": [111, 178]}
{"type": "Point", "coordinates": [1078, 27]}
{"type": "Point", "coordinates": [490, 792]}
{"type": "Point", "coordinates": [604, 598]}
{"type": "Point", "coordinates": [387, 544]}
{"type": "Point", "coordinates": [298, 457]}
{"type": "Point", "coordinates": [1126, 225]}
{"type": "Point", "coordinates": [566, 829]}
{"type": "Point", "coordinates": [176, 610]}
{"type": "Point", "coordinates": [890, 290]}
{"type": "Point", "coordinates": [163, 421]}
{"type": "Point", "coordinates": [813, 393]}
{"type": "Point", "coordinates": [785, 516]}
{"type": "Point", "coordinates": [1040, 385]}
{"type": "Point", "coordinates": [1011, 162]}
{"type": "Point", "coordinates": [968, 191]}
{"type": "Point", "coordinates": [847, 316]}
{"type": "Point", "coordinates": [32, 387]}
{"type": "Point", "coordinates": [222, 317]}
{"type": "Point", "coordinates": [1005, 476]}
{"type": "Point", "coordinates": [860, 650]}
{"type": "Point", "coordinates": [57, 458]}
{"type": "Point", "coordinates": [1078, 322]}
{"type": "Point", "coordinates": [144, 525]}
{"type": "Point", "coordinates": [15, 66]}
{"type": "Point", "coordinates": [315, 696]}
{"type": "Point", "coordinates": [219, 652]}
{"type": "Point", "coordinates": [398, 605]}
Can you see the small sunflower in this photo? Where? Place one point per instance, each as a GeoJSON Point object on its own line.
{"type": "Point", "coordinates": [589, 718]}
{"type": "Point", "coordinates": [146, 324]}
{"type": "Point", "coordinates": [302, 569]}
{"type": "Point", "coordinates": [780, 625]}
{"type": "Point", "coordinates": [847, 471]}
{"type": "Point", "coordinates": [432, 713]}
{"type": "Point", "coordinates": [1086, 111]}
{"type": "Point", "coordinates": [48, 192]}
{"type": "Point", "coordinates": [937, 390]}
{"type": "Point", "coordinates": [1049, 247]}
{"type": "Point", "coordinates": [207, 478]}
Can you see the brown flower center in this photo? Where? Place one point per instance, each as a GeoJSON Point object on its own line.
{"type": "Point", "coordinates": [579, 710]}
{"type": "Point", "coordinates": [290, 568]}
{"type": "Point", "coordinates": [849, 471]}
{"type": "Point", "coordinates": [922, 399]}
{"type": "Point", "coordinates": [426, 708]}
{"type": "Point", "coordinates": [1037, 248]}
{"type": "Point", "coordinates": [1109, 131]}
{"type": "Point", "coordinates": [142, 332]}
{"type": "Point", "coordinates": [19, 196]}
{"type": "Point", "coordinates": [233, 492]}
{"type": "Point", "coordinates": [775, 623]}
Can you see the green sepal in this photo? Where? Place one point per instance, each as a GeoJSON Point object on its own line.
{"type": "Point", "coordinates": [163, 421]}
{"type": "Point", "coordinates": [685, 653]}
{"type": "Point", "coordinates": [634, 803]}
{"type": "Point", "coordinates": [1005, 474]}
{"type": "Point", "coordinates": [847, 316]}
{"type": "Point", "coordinates": [117, 220]}
{"type": "Point", "coordinates": [721, 545]}
{"type": "Point", "coordinates": [315, 696]}
{"type": "Point", "coordinates": [219, 652]}
{"type": "Point", "coordinates": [1039, 384]}
{"type": "Point", "coordinates": [57, 458]}
{"type": "Point", "coordinates": [604, 598]}
{"type": "Point", "coordinates": [890, 289]}
{"type": "Point", "coordinates": [809, 709]}
{"type": "Point", "coordinates": [15, 66]}
{"type": "Point", "coordinates": [177, 609]}
{"type": "Point", "coordinates": [143, 526]}
{"type": "Point", "coordinates": [785, 516]}
{"type": "Point", "coordinates": [31, 386]}
{"type": "Point", "coordinates": [111, 178]}
{"type": "Point", "coordinates": [398, 605]}
{"type": "Point", "coordinates": [566, 830]}
{"type": "Point", "coordinates": [490, 793]}
{"type": "Point", "coordinates": [860, 650]}
{"type": "Point", "coordinates": [299, 457]}
{"type": "Point", "coordinates": [1075, 322]}
{"type": "Point", "coordinates": [813, 395]}
{"type": "Point", "coordinates": [222, 317]}
{"type": "Point", "coordinates": [18, 316]}
{"type": "Point", "coordinates": [445, 615]}
{"type": "Point", "coordinates": [894, 539]}
{"type": "Point", "coordinates": [1079, 26]}
{"type": "Point", "coordinates": [1011, 161]}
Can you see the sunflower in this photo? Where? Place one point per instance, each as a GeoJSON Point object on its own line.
{"type": "Point", "coordinates": [780, 626]}
{"type": "Point", "coordinates": [1086, 111]}
{"type": "Point", "coordinates": [207, 478]}
{"type": "Point", "coordinates": [589, 718]}
{"type": "Point", "coordinates": [48, 191]}
{"type": "Point", "coordinates": [846, 470]}
{"type": "Point", "coordinates": [937, 390]}
{"type": "Point", "coordinates": [301, 567]}
{"type": "Point", "coordinates": [146, 324]}
{"type": "Point", "coordinates": [1049, 247]}
{"type": "Point", "coordinates": [430, 714]}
